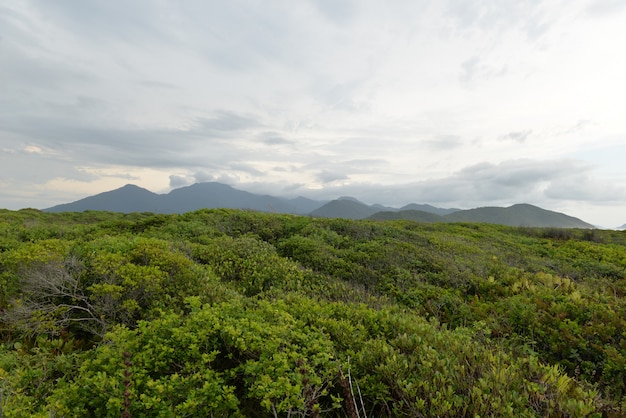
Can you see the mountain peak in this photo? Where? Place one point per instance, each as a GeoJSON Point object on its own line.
{"type": "Point", "coordinates": [128, 198]}
{"type": "Point", "coordinates": [132, 198]}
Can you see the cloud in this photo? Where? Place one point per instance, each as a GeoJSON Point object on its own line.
{"type": "Point", "coordinates": [514, 174]}
{"type": "Point", "coordinates": [513, 181]}
{"type": "Point", "coordinates": [347, 96]}
{"type": "Point", "coordinates": [212, 141]}
{"type": "Point", "coordinates": [274, 138]}
{"type": "Point", "coordinates": [46, 73]}
{"type": "Point", "coordinates": [202, 176]}
{"type": "Point", "coordinates": [248, 169]}
{"type": "Point", "coordinates": [579, 127]}
{"type": "Point", "coordinates": [103, 21]}
{"type": "Point", "coordinates": [601, 8]}
{"type": "Point", "coordinates": [581, 187]}
{"type": "Point", "coordinates": [329, 177]}
{"type": "Point", "coordinates": [500, 15]}
{"type": "Point", "coordinates": [156, 84]}
{"type": "Point", "coordinates": [338, 11]}
{"type": "Point", "coordinates": [330, 170]}
{"type": "Point", "coordinates": [516, 136]}
{"type": "Point", "coordinates": [33, 149]}
{"type": "Point", "coordinates": [474, 70]}
{"type": "Point", "coordinates": [469, 68]}
{"type": "Point", "coordinates": [224, 121]}
{"type": "Point", "coordinates": [179, 181]}
{"type": "Point", "coordinates": [226, 178]}
{"type": "Point", "coordinates": [445, 142]}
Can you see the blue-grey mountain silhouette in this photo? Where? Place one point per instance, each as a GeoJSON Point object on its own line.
{"type": "Point", "coordinates": [131, 198]}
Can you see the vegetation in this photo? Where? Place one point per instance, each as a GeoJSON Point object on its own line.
{"type": "Point", "coordinates": [238, 313]}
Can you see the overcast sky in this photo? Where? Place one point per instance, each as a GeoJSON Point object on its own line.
{"type": "Point", "coordinates": [456, 103]}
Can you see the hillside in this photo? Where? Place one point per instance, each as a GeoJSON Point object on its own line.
{"type": "Point", "coordinates": [208, 195]}
{"type": "Point", "coordinates": [351, 208]}
{"type": "Point", "coordinates": [407, 215]}
{"type": "Point", "coordinates": [428, 209]}
{"type": "Point", "coordinates": [345, 208]}
{"type": "Point", "coordinates": [212, 195]}
{"type": "Point", "coordinates": [127, 199]}
{"type": "Point", "coordinates": [516, 215]}
{"type": "Point", "coordinates": [241, 313]}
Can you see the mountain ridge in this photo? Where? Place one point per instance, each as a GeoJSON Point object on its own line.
{"type": "Point", "coordinates": [210, 195]}
{"type": "Point", "coordinates": [521, 214]}
{"type": "Point", "coordinates": [186, 199]}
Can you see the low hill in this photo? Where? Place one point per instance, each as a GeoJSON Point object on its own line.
{"type": "Point", "coordinates": [428, 209]}
{"type": "Point", "coordinates": [345, 208]}
{"type": "Point", "coordinates": [516, 215]}
{"type": "Point", "coordinates": [407, 215]}
{"type": "Point", "coordinates": [351, 208]}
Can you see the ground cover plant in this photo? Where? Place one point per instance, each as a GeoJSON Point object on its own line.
{"type": "Point", "coordinates": [240, 313]}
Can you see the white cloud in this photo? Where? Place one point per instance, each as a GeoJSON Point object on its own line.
{"type": "Point", "coordinates": [456, 102]}
{"type": "Point", "coordinates": [33, 149]}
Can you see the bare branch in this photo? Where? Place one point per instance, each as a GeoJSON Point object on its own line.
{"type": "Point", "coordinates": [52, 299]}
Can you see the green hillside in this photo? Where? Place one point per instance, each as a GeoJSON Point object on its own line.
{"type": "Point", "coordinates": [407, 215]}
{"type": "Point", "coordinates": [345, 208]}
{"type": "Point", "coordinates": [516, 215]}
{"type": "Point", "coordinates": [226, 313]}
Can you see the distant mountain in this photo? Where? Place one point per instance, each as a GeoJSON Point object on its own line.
{"type": "Point", "coordinates": [621, 228]}
{"type": "Point", "coordinates": [127, 199]}
{"type": "Point", "coordinates": [516, 215]}
{"type": "Point", "coordinates": [407, 215]}
{"type": "Point", "coordinates": [304, 205]}
{"type": "Point", "coordinates": [428, 209]}
{"type": "Point", "coordinates": [345, 208]}
{"type": "Point", "coordinates": [218, 195]}
{"type": "Point", "coordinates": [351, 198]}
{"type": "Point", "coordinates": [351, 208]}
{"type": "Point", "coordinates": [131, 198]}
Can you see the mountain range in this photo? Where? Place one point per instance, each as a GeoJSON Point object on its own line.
{"type": "Point", "coordinates": [131, 198]}
{"type": "Point", "coordinates": [516, 215]}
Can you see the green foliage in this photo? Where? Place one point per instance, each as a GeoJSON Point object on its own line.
{"type": "Point", "coordinates": [196, 364]}
{"type": "Point", "coordinates": [91, 286]}
{"type": "Point", "coordinates": [29, 373]}
{"type": "Point", "coordinates": [160, 369]}
{"type": "Point", "coordinates": [253, 265]}
{"type": "Point", "coordinates": [239, 313]}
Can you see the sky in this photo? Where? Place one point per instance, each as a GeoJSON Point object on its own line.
{"type": "Point", "coordinates": [454, 103]}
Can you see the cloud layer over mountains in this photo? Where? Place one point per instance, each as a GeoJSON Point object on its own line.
{"type": "Point", "coordinates": [452, 103]}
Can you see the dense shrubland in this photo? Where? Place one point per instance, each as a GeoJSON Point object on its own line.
{"type": "Point", "coordinates": [237, 313]}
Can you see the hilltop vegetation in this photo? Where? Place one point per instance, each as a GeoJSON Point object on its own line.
{"type": "Point", "coordinates": [237, 313]}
